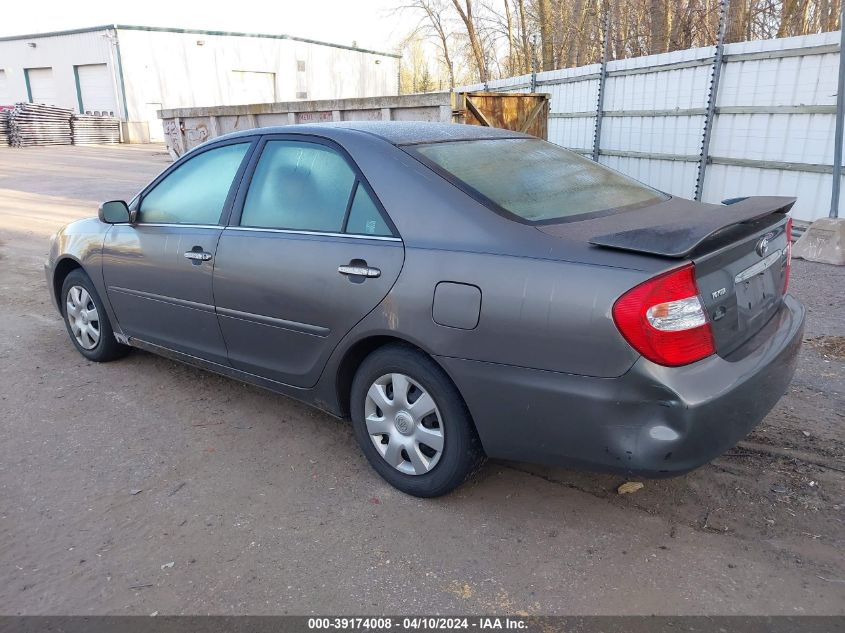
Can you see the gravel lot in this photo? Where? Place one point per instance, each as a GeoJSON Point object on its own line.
{"type": "Point", "coordinates": [252, 503]}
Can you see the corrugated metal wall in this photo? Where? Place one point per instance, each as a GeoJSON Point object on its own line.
{"type": "Point", "coordinates": [60, 53]}
{"type": "Point", "coordinates": [772, 134]}
{"type": "Point", "coordinates": [167, 69]}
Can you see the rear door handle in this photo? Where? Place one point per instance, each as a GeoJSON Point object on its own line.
{"type": "Point", "coordinates": [359, 271]}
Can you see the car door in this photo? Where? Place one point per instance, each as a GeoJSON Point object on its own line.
{"type": "Point", "coordinates": [308, 253]}
{"type": "Point", "coordinates": [158, 268]}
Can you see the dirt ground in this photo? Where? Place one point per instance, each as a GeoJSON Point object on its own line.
{"type": "Point", "coordinates": [147, 486]}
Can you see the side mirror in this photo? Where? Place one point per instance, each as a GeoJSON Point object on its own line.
{"type": "Point", "coordinates": [114, 212]}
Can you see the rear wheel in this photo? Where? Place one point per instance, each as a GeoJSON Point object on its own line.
{"type": "Point", "coordinates": [412, 423]}
{"type": "Point", "coordinates": [86, 320]}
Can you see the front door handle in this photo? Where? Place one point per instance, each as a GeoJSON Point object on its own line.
{"type": "Point", "coordinates": [359, 270]}
{"type": "Point", "coordinates": [197, 255]}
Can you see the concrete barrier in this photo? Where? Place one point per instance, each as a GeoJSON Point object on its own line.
{"type": "Point", "coordinates": [185, 128]}
{"type": "Point", "coordinates": [823, 242]}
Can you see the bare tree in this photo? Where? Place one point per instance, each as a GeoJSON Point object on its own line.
{"type": "Point", "coordinates": [546, 27]}
{"type": "Point", "coordinates": [484, 39]}
{"type": "Point", "coordinates": [659, 10]}
{"type": "Point", "coordinates": [433, 10]}
{"type": "Point", "coordinates": [464, 9]}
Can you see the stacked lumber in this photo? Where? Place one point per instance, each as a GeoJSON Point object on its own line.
{"type": "Point", "coordinates": [92, 130]}
{"type": "Point", "coordinates": [4, 127]}
{"type": "Point", "coordinates": [36, 124]}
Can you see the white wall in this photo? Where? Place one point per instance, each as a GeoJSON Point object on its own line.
{"type": "Point", "coordinates": [59, 52]}
{"type": "Point", "coordinates": [171, 70]}
{"type": "Point", "coordinates": [670, 141]}
{"type": "Point", "coordinates": [167, 69]}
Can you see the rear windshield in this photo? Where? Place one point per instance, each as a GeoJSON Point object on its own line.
{"type": "Point", "coordinates": [534, 180]}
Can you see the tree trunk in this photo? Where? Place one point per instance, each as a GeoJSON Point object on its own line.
{"type": "Point", "coordinates": [659, 26]}
{"type": "Point", "coordinates": [474, 42]}
{"type": "Point", "coordinates": [512, 65]}
{"type": "Point", "coordinates": [794, 18]}
{"type": "Point", "coordinates": [576, 18]}
{"type": "Point", "coordinates": [546, 34]}
{"type": "Point", "coordinates": [523, 33]}
{"type": "Point", "coordinates": [737, 17]}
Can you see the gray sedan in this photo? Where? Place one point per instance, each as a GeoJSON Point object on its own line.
{"type": "Point", "coordinates": [457, 291]}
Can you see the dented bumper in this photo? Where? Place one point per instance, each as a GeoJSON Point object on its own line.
{"type": "Point", "coordinates": [654, 420]}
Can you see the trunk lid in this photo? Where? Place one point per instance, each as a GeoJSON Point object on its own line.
{"type": "Point", "coordinates": [739, 251]}
{"type": "Point", "coordinates": [741, 275]}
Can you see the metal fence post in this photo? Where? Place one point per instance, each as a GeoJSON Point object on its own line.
{"type": "Point", "coordinates": [602, 80]}
{"type": "Point", "coordinates": [840, 122]}
{"type": "Point", "coordinates": [711, 101]}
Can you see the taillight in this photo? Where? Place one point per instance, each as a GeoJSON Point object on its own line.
{"type": "Point", "coordinates": [788, 255]}
{"type": "Point", "coordinates": [664, 320]}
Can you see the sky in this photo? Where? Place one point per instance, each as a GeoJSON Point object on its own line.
{"type": "Point", "coordinates": [369, 23]}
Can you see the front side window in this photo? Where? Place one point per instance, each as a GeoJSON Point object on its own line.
{"type": "Point", "coordinates": [299, 186]}
{"type": "Point", "coordinates": [534, 180]}
{"type": "Point", "coordinates": [196, 191]}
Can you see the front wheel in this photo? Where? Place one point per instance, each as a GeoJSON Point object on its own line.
{"type": "Point", "coordinates": [412, 423]}
{"type": "Point", "coordinates": [86, 320]}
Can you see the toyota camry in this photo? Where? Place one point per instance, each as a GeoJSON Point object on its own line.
{"type": "Point", "coordinates": [458, 292]}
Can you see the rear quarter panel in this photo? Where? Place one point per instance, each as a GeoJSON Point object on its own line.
{"type": "Point", "coordinates": [542, 314]}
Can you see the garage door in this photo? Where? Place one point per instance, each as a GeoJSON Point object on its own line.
{"type": "Point", "coordinates": [40, 85]}
{"type": "Point", "coordinates": [96, 89]}
{"type": "Point", "coordinates": [253, 87]}
{"type": "Point", "coordinates": [5, 97]}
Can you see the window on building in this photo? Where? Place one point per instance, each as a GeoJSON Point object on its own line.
{"type": "Point", "coordinates": [301, 80]}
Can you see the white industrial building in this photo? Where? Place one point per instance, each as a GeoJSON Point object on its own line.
{"type": "Point", "coordinates": [134, 71]}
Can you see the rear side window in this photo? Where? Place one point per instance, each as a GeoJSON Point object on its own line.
{"type": "Point", "coordinates": [299, 186]}
{"type": "Point", "coordinates": [534, 180]}
{"type": "Point", "coordinates": [195, 192]}
{"type": "Point", "coordinates": [364, 216]}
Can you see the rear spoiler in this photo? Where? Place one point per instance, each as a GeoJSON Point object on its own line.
{"type": "Point", "coordinates": [679, 234]}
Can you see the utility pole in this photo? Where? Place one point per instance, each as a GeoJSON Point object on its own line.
{"type": "Point", "coordinates": [605, 53]}
{"type": "Point", "coordinates": [711, 101]}
{"type": "Point", "coordinates": [840, 122]}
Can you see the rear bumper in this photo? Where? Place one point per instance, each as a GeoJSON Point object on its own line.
{"type": "Point", "coordinates": [655, 421]}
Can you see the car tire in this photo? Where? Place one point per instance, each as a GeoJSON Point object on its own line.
{"type": "Point", "coordinates": [86, 320]}
{"type": "Point", "coordinates": [394, 430]}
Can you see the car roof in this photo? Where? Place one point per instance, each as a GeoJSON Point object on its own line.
{"type": "Point", "coordinates": [394, 132]}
